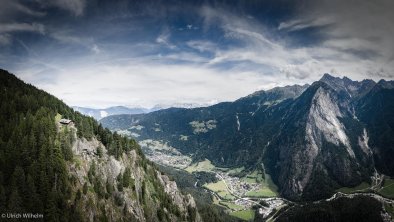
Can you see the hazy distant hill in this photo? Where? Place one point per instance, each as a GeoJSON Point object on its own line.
{"type": "Point", "coordinates": [118, 110]}
{"type": "Point", "coordinates": [114, 110]}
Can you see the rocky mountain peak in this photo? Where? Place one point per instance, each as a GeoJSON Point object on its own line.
{"type": "Point", "coordinates": [328, 77]}
{"type": "Point", "coordinates": [386, 84]}
{"type": "Point", "coordinates": [348, 87]}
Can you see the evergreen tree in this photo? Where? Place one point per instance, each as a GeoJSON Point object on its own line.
{"type": "Point", "coordinates": [99, 151]}
{"type": "Point", "coordinates": [78, 195]}
{"type": "Point", "coordinates": [109, 187]}
{"type": "Point", "coordinates": [126, 177]}
{"type": "Point", "coordinates": [33, 202]}
{"type": "Point", "coordinates": [92, 172]}
{"type": "Point", "coordinates": [2, 197]}
{"type": "Point", "coordinates": [51, 212]}
{"type": "Point", "coordinates": [119, 179]}
{"type": "Point", "coordinates": [85, 188]}
{"type": "Point", "coordinates": [15, 202]}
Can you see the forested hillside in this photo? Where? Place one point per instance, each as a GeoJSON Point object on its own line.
{"type": "Point", "coordinates": [76, 173]}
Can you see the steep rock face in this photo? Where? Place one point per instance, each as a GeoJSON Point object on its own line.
{"type": "Point", "coordinates": [315, 145]}
{"type": "Point", "coordinates": [323, 122]}
{"type": "Point", "coordinates": [376, 110]}
{"type": "Point", "coordinates": [184, 202]}
{"type": "Point", "coordinates": [129, 200]}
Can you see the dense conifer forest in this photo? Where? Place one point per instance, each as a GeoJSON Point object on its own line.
{"type": "Point", "coordinates": [33, 156]}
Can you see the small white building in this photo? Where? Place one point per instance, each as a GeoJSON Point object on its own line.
{"type": "Point", "coordinates": [65, 121]}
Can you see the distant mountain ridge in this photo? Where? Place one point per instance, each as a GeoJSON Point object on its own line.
{"type": "Point", "coordinates": [312, 139]}
{"type": "Point", "coordinates": [113, 110]}
{"type": "Point", "coordinates": [118, 110]}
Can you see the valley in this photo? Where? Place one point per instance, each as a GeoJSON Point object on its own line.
{"type": "Point", "coordinates": [244, 194]}
{"type": "Point", "coordinates": [273, 152]}
{"type": "Point", "coordinates": [234, 189]}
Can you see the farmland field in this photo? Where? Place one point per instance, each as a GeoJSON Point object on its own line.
{"type": "Point", "coordinates": [388, 188]}
{"type": "Point", "coordinates": [205, 165]}
{"type": "Point", "coordinates": [246, 215]}
{"type": "Point", "coordinates": [359, 187]}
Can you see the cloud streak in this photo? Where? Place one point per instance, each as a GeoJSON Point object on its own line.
{"type": "Point", "coordinates": [22, 27]}
{"type": "Point", "coordinates": [75, 7]}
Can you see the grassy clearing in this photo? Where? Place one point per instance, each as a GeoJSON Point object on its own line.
{"type": "Point", "coordinates": [205, 165]}
{"type": "Point", "coordinates": [270, 184]}
{"type": "Point", "coordinates": [215, 200]}
{"type": "Point", "coordinates": [263, 192]}
{"type": "Point", "coordinates": [358, 188]}
{"type": "Point", "coordinates": [222, 169]}
{"type": "Point", "coordinates": [231, 205]}
{"type": "Point", "coordinates": [246, 215]}
{"type": "Point", "coordinates": [225, 195]}
{"type": "Point", "coordinates": [216, 187]}
{"type": "Point", "coordinates": [58, 117]}
{"type": "Point", "coordinates": [221, 190]}
{"type": "Point", "coordinates": [388, 188]}
{"type": "Point", "coordinates": [253, 177]}
{"type": "Point", "coordinates": [236, 170]}
{"type": "Point", "coordinates": [268, 188]}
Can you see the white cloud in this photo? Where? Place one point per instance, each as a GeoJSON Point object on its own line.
{"type": "Point", "coordinates": [146, 82]}
{"type": "Point", "coordinates": [359, 34]}
{"type": "Point", "coordinates": [67, 36]}
{"type": "Point", "coordinates": [164, 39]}
{"type": "Point", "coordinates": [356, 55]}
{"type": "Point", "coordinates": [298, 24]}
{"type": "Point", "coordinates": [10, 9]}
{"type": "Point", "coordinates": [22, 27]}
{"type": "Point", "coordinates": [202, 46]}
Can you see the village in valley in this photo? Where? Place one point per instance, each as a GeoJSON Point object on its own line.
{"type": "Point", "coordinates": [237, 190]}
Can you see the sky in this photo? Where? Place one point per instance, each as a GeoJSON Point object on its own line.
{"type": "Point", "coordinates": [101, 53]}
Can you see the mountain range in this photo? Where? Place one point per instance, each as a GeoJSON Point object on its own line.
{"type": "Point", "coordinates": [113, 110]}
{"type": "Point", "coordinates": [117, 110]}
{"type": "Point", "coordinates": [311, 139]}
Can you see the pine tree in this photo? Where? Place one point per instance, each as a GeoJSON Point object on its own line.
{"type": "Point", "coordinates": [126, 177]}
{"type": "Point", "coordinates": [78, 195]}
{"type": "Point", "coordinates": [2, 197]}
{"type": "Point", "coordinates": [119, 179]}
{"type": "Point", "coordinates": [92, 172]}
{"type": "Point", "coordinates": [33, 202]}
{"type": "Point", "coordinates": [99, 151]}
{"type": "Point", "coordinates": [15, 202]}
{"type": "Point", "coordinates": [85, 188]}
{"type": "Point", "coordinates": [18, 181]}
{"type": "Point", "coordinates": [51, 212]}
{"type": "Point", "coordinates": [109, 187]}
